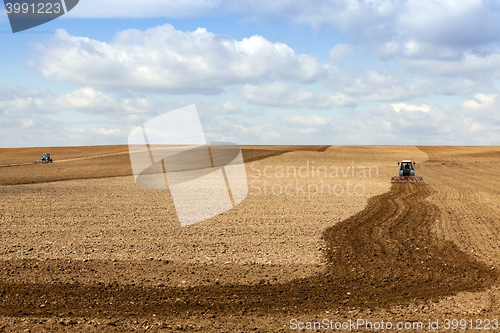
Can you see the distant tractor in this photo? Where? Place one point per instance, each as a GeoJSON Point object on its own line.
{"type": "Point", "coordinates": [406, 173]}
{"type": "Point", "coordinates": [45, 159]}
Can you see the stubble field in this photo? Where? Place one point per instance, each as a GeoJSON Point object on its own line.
{"type": "Point", "coordinates": [84, 249]}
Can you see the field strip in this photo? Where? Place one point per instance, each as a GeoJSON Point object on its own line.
{"type": "Point", "coordinates": [321, 149]}
{"type": "Point", "coordinates": [68, 159]}
{"type": "Point", "coordinates": [115, 154]}
{"type": "Point", "coordinates": [86, 157]}
{"type": "Point", "coordinates": [89, 157]}
{"type": "Point", "coordinates": [470, 206]}
{"type": "Point", "coordinates": [12, 165]}
{"type": "Point", "coordinates": [383, 255]}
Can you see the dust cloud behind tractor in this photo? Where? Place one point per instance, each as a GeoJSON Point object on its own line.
{"type": "Point", "coordinates": [170, 151]}
{"type": "Point", "coordinates": [26, 14]}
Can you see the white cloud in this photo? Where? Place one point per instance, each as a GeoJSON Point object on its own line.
{"type": "Point", "coordinates": [307, 124]}
{"type": "Point", "coordinates": [450, 22]}
{"type": "Point", "coordinates": [82, 99]}
{"type": "Point", "coordinates": [437, 22]}
{"type": "Point", "coordinates": [343, 14]}
{"type": "Point", "coordinates": [409, 125]}
{"type": "Point", "coordinates": [412, 47]}
{"type": "Point", "coordinates": [476, 122]}
{"type": "Point", "coordinates": [220, 108]}
{"type": "Point", "coordinates": [27, 123]}
{"type": "Point", "coordinates": [282, 95]}
{"type": "Point", "coordinates": [286, 130]}
{"type": "Point", "coordinates": [397, 84]}
{"type": "Point", "coordinates": [378, 85]}
{"type": "Point", "coordinates": [110, 131]}
{"type": "Point", "coordinates": [19, 106]}
{"type": "Point", "coordinates": [341, 51]}
{"type": "Point", "coordinates": [468, 65]}
{"type": "Point", "coordinates": [424, 29]}
{"type": "Point", "coordinates": [392, 51]}
{"type": "Point", "coordinates": [482, 112]}
{"type": "Point", "coordinates": [403, 106]}
{"type": "Point", "coordinates": [380, 126]}
{"type": "Point", "coordinates": [163, 59]}
{"type": "Point", "coordinates": [40, 117]}
{"type": "Point", "coordinates": [482, 101]}
{"type": "Point", "coordinates": [427, 38]}
{"type": "Point", "coordinates": [86, 100]}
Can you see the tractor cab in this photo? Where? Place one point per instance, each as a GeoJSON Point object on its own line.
{"type": "Point", "coordinates": [406, 168]}
{"type": "Point", "coordinates": [406, 173]}
{"type": "Point", "coordinates": [46, 158]}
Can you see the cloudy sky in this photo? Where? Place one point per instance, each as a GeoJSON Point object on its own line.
{"type": "Point", "coordinates": [274, 72]}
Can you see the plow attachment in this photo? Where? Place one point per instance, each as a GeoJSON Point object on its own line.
{"type": "Point", "coordinates": [407, 179]}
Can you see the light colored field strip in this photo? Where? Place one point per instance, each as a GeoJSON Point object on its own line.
{"type": "Point", "coordinates": [65, 160]}
{"type": "Point", "coordinates": [86, 157]}
{"type": "Point", "coordinates": [89, 157]}
{"type": "Point", "coordinates": [11, 165]}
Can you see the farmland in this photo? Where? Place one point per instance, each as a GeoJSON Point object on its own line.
{"type": "Point", "coordinates": [84, 248]}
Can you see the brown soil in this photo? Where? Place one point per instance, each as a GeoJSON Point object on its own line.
{"type": "Point", "coordinates": [383, 255]}
{"type": "Point", "coordinates": [17, 165]}
{"type": "Point", "coordinates": [405, 257]}
{"type": "Point", "coordinates": [467, 181]}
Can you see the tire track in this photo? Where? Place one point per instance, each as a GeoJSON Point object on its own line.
{"type": "Point", "coordinates": [404, 251]}
{"type": "Point", "coordinates": [467, 191]}
{"type": "Point", "coordinates": [383, 255]}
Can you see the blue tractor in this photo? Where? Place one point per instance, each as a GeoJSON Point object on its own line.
{"type": "Point", "coordinates": [46, 158]}
{"type": "Point", "coordinates": [407, 173]}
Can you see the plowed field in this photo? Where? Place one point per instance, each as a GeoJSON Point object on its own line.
{"type": "Point", "coordinates": [102, 255]}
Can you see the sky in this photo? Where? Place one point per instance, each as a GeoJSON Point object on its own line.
{"type": "Point", "coordinates": [414, 72]}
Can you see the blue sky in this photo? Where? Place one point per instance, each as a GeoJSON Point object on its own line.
{"type": "Point", "coordinates": [282, 72]}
